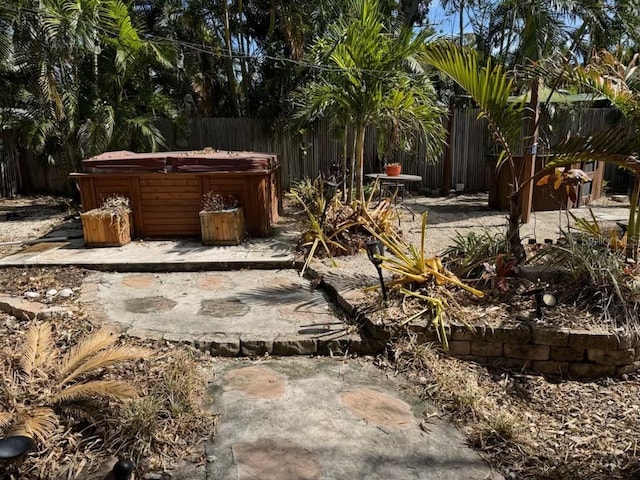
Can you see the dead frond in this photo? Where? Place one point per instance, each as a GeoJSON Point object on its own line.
{"type": "Point", "coordinates": [102, 388]}
{"type": "Point", "coordinates": [5, 418]}
{"type": "Point", "coordinates": [39, 423]}
{"type": "Point", "coordinates": [105, 358]}
{"type": "Point", "coordinates": [38, 347]}
{"type": "Point", "coordinates": [92, 344]}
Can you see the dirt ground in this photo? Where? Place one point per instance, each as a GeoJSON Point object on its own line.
{"type": "Point", "coordinates": [27, 218]}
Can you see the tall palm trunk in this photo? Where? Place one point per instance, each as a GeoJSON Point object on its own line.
{"type": "Point", "coordinates": [359, 163]}
{"type": "Point", "coordinates": [231, 76]}
{"type": "Point", "coordinates": [633, 227]}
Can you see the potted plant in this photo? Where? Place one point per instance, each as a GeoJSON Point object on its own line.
{"type": "Point", "coordinates": [221, 220]}
{"type": "Point", "coordinates": [109, 225]}
{"type": "Point", "coordinates": [393, 169]}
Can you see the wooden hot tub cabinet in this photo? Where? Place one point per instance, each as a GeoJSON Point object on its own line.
{"type": "Point", "coordinates": [166, 189]}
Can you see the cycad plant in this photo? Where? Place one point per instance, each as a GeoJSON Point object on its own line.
{"type": "Point", "coordinates": [38, 385]}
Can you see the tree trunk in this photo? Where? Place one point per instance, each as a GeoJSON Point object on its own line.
{"type": "Point", "coordinates": [513, 234]}
{"type": "Point", "coordinates": [343, 166]}
{"type": "Point", "coordinates": [352, 180]}
{"type": "Point", "coordinates": [531, 147]}
{"type": "Point", "coordinates": [359, 163]}
{"type": "Point", "coordinates": [633, 228]}
{"type": "Point", "coordinates": [231, 76]}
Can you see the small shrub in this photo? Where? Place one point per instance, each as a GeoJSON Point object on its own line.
{"type": "Point", "coordinates": [469, 252]}
{"type": "Point", "coordinates": [215, 202]}
{"type": "Point", "coordinates": [599, 279]}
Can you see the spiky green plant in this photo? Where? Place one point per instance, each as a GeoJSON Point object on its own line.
{"type": "Point", "coordinates": [37, 385]}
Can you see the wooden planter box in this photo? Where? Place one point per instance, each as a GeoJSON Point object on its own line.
{"type": "Point", "coordinates": [225, 227]}
{"type": "Point", "coordinates": [100, 230]}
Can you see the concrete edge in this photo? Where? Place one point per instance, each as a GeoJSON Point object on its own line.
{"type": "Point", "coordinates": [156, 267]}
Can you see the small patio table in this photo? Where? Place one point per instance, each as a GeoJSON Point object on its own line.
{"type": "Point", "coordinates": [398, 182]}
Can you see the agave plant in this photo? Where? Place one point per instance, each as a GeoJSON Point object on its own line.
{"type": "Point", "coordinates": [37, 386]}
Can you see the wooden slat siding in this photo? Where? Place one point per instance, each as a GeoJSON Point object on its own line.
{"type": "Point", "coordinates": [135, 196]}
{"type": "Point", "coordinates": [88, 199]}
{"type": "Point", "coordinates": [170, 207]}
{"type": "Point", "coordinates": [169, 180]}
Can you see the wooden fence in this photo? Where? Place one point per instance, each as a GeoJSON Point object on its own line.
{"type": "Point", "coordinates": [314, 151]}
{"type": "Point", "coordinates": [10, 184]}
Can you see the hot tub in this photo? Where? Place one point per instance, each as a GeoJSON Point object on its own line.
{"type": "Point", "coordinates": [166, 188]}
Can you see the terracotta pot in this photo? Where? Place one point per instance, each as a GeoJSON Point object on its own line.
{"type": "Point", "coordinates": [393, 169]}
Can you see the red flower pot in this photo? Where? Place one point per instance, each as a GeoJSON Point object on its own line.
{"type": "Point", "coordinates": [393, 169]}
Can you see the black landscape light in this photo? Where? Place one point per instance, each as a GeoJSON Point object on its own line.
{"type": "Point", "coordinates": [375, 247]}
{"type": "Point", "coordinates": [122, 470]}
{"type": "Point", "coordinates": [330, 189]}
{"type": "Point", "coordinates": [15, 446]}
{"type": "Point", "coordinates": [542, 298]}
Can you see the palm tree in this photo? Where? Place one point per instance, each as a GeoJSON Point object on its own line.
{"type": "Point", "coordinates": [367, 76]}
{"type": "Point", "coordinates": [81, 77]}
{"type": "Point", "coordinates": [490, 88]}
{"type": "Point", "coordinates": [620, 145]}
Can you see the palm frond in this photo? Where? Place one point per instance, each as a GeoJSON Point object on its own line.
{"type": "Point", "coordinates": [613, 145]}
{"type": "Point", "coordinates": [98, 388]}
{"type": "Point", "coordinates": [105, 358]}
{"type": "Point", "coordinates": [89, 346]}
{"type": "Point", "coordinates": [6, 418]}
{"type": "Point", "coordinates": [40, 423]}
{"type": "Point", "coordinates": [38, 348]}
{"type": "Point", "coordinates": [489, 86]}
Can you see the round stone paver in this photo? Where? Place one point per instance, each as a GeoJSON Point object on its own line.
{"type": "Point", "coordinates": [256, 382]}
{"type": "Point", "coordinates": [211, 282]}
{"type": "Point", "coordinates": [378, 408]}
{"type": "Point", "coordinates": [139, 281]}
{"type": "Point", "coordinates": [157, 304]}
{"type": "Point", "coordinates": [223, 307]}
{"type": "Point", "coordinates": [275, 459]}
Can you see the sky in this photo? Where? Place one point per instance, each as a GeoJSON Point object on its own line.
{"type": "Point", "coordinates": [445, 24]}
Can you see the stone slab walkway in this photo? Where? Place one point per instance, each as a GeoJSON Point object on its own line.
{"type": "Point", "coordinates": [312, 419]}
{"type": "Point", "coordinates": [245, 312]}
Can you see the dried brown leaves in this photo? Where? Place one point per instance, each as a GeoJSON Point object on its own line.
{"type": "Point", "coordinates": [532, 428]}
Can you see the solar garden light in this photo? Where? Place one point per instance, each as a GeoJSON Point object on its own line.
{"type": "Point", "coordinates": [375, 247]}
{"type": "Point", "coordinates": [543, 299]}
{"type": "Point", "coordinates": [13, 449]}
{"type": "Point", "coordinates": [330, 190]}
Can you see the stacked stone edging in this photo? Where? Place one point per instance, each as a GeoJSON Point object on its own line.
{"type": "Point", "coordinates": [550, 351]}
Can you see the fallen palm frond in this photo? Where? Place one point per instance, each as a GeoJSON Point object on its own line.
{"type": "Point", "coordinates": [593, 229]}
{"type": "Point", "coordinates": [411, 264]}
{"type": "Point", "coordinates": [333, 227]}
{"type": "Point", "coordinates": [438, 307]}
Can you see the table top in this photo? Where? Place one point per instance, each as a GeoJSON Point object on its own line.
{"type": "Point", "coordinates": [403, 177]}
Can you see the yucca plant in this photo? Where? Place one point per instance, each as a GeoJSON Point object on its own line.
{"type": "Point", "coordinates": [40, 384]}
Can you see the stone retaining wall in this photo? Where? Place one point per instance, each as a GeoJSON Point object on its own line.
{"type": "Point", "coordinates": [550, 351]}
